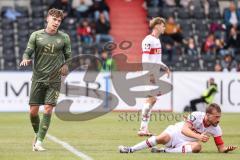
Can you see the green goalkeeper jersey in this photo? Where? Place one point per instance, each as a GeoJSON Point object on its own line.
{"type": "Point", "coordinates": [50, 52]}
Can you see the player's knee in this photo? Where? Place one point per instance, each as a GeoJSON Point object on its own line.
{"type": "Point", "coordinates": [196, 147]}
{"type": "Point", "coordinates": [33, 111]}
{"type": "Point", "coordinates": [152, 100]}
{"type": "Point", "coordinates": [48, 109]}
{"type": "Point", "coordinates": [163, 138]}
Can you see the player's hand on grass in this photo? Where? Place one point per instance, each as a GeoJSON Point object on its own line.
{"type": "Point", "coordinates": [230, 148]}
{"type": "Point", "coordinates": [64, 70]}
{"type": "Point", "coordinates": [203, 137]}
{"type": "Point", "coordinates": [25, 62]}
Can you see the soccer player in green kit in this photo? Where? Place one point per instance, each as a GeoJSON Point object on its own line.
{"type": "Point", "coordinates": [51, 49]}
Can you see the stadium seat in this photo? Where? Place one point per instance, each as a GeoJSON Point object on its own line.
{"type": "Point", "coordinates": [35, 3]}
{"type": "Point", "coordinates": [88, 49]}
{"type": "Point", "coordinates": [23, 10]}
{"type": "Point", "coordinates": [237, 58]}
{"type": "Point", "coordinates": [167, 12]}
{"type": "Point", "coordinates": [209, 57]}
{"type": "Point", "coordinates": [37, 23]}
{"type": "Point", "coordinates": [200, 25]}
{"type": "Point", "coordinates": [214, 14]}
{"type": "Point", "coordinates": [69, 24]}
{"type": "Point", "coordinates": [7, 24]}
{"type": "Point", "coordinates": [9, 59]}
{"type": "Point", "coordinates": [37, 12]}
{"type": "Point", "coordinates": [198, 14]}
{"type": "Point", "coordinates": [213, 4]}
{"type": "Point", "coordinates": [7, 32]}
{"type": "Point", "coordinates": [8, 43]}
{"type": "Point", "coordinates": [23, 23]}
{"type": "Point", "coordinates": [48, 2]}
{"type": "Point", "coordinates": [9, 65]}
{"type": "Point", "coordinates": [183, 13]}
{"type": "Point", "coordinates": [153, 12]}
{"type": "Point", "coordinates": [23, 33]}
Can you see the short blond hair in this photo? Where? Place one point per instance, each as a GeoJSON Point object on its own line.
{"type": "Point", "coordinates": [157, 20]}
{"type": "Point", "coordinates": [56, 13]}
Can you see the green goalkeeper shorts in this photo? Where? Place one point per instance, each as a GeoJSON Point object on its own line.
{"type": "Point", "coordinates": [44, 93]}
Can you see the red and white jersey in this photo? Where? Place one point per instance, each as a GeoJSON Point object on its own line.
{"type": "Point", "coordinates": [196, 119]}
{"type": "Point", "coordinates": [152, 50]}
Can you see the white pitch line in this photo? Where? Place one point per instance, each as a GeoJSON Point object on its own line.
{"type": "Point", "coordinates": [69, 147]}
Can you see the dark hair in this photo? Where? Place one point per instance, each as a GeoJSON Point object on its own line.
{"type": "Point", "coordinates": [213, 106]}
{"type": "Point", "coordinates": [56, 13]}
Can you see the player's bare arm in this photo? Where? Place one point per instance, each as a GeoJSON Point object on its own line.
{"type": "Point", "coordinates": [166, 69]}
{"type": "Point", "coordinates": [168, 72]}
{"type": "Point", "coordinates": [187, 131]}
{"type": "Point", "coordinates": [27, 55]}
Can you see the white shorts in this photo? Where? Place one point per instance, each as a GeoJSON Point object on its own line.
{"type": "Point", "coordinates": [175, 134]}
{"type": "Point", "coordinates": [151, 58]}
{"type": "Point", "coordinates": [149, 62]}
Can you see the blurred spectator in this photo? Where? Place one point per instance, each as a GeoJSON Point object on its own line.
{"type": "Point", "coordinates": [191, 48]}
{"type": "Point", "coordinates": [217, 67]}
{"type": "Point", "coordinates": [100, 6]}
{"type": "Point", "coordinates": [170, 3]}
{"type": "Point", "coordinates": [173, 30]}
{"type": "Point", "coordinates": [233, 41]}
{"type": "Point", "coordinates": [11, 14]}
{"type": "Point", "coordinates": [185, 3]}
{"type": "Point", "coordinates": [170, 50]}
{"type": "Point", "coordinates": [232, 17]}
{"type": "Point", "coordinates": [85, 32]}
{"type": "Point", "coordinates": [102, 29]}
{"type": "Point", "coordinates": [91, 63]}
{"type": "Point", "coordinates": [220, 48]}
{"type": "Point", "coordinates": [108, 63]}
{"type": "Point", "coordinates": [209, 44]}
{"type": "Point", "coordinates": [228, 64]}
{"type": "Point", "coordinates": [81, 8]}
{"type": "Point", "coordinates": [206, 7]}
{"type": "Point", "coordinates": [217, 29]}
{"type": "Point", "coordinates": [64, 5]}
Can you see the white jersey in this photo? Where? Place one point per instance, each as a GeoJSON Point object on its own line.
{"type": "Point", "coordinates": [196, 119]}
{"type": "Point", "coordinates": [152, 50]}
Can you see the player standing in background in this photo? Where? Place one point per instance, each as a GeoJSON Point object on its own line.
{"type": "Point", "coordinates": [51, 48]}
{"type": "Point", "coordinates": [151, 54]}
{"type": "Point", "coordinates": [185, 137]}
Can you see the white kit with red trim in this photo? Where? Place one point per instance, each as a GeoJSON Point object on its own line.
{"type": "Point", "coordinates": [198, 126]}
{"type": "Point", "coordinates": [151, 50]}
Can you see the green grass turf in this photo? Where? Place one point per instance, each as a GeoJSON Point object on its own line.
{"type": "Point", "coordinates": [99, 138]}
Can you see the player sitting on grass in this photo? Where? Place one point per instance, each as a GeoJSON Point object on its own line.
{"type": "Point", "coordinates": [186, 136]}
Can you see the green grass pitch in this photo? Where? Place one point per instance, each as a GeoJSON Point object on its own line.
{"type": "Point", "coordinates": [100, 137]}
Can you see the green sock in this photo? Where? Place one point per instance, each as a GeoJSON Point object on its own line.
{"type": "Point", "coordinates": [45, 122]}
{"type": "Point", "coordinates": [35, 122]}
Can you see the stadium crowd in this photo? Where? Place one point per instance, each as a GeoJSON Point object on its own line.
{"type": "Point", "coordinates": [197, 37]}
{"type": "Point", "coordinates": [197, 34]}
